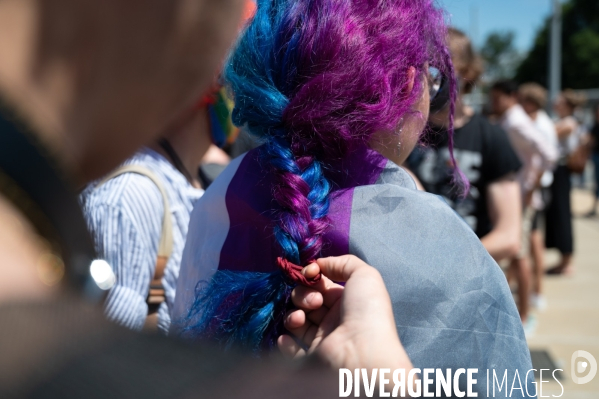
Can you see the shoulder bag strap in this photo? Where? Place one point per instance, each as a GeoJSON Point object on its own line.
{"type": "Point", "coordinates": [156, 293]}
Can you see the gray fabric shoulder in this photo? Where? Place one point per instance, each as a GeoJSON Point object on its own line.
{"type": "Point", "coordinates": [393, 174]}
{"type": "Point", "coordinates": [451, 302]}
{"type": "Point", "coordinates": [417, 240]}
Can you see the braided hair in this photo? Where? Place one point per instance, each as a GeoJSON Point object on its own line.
{"type": "Point", "coordinates": [313, 79]}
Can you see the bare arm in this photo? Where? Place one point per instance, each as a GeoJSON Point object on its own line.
{"type": "Point", "coordinates": [503, 198]}
{"type": "Point", "coordinates": [537, 184]}
{"type": "Point", "coordinates": [564, 128]}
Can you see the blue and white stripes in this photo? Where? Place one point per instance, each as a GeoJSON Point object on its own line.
{"type": "Point", "coordinates": [125, 218]}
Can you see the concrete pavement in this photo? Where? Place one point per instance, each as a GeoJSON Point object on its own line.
{"type": "Point", "coordinates": [571, 320]}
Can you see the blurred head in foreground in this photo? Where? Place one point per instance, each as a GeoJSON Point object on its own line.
{"type": "Point", "coordinates": [99, 79]}
{"type": "Point", "coordinates": [95, 81]}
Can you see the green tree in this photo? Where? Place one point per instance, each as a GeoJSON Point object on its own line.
{"type": "Point", "coordinates": [580, 48]}
{"type": "Point", "coordinates": [500, 55]}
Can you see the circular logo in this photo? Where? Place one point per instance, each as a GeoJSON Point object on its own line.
{"type": "Point", "coordinates": [581, 362]}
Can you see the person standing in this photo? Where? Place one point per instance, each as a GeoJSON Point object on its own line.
{"type": "Point", "coordinates": [533, 98]}
{"type": "Point", "coordinates": [129, 213]}
{"type": "Point", "coordinates": [339, 109]}
{"type": "Point", "coordinates": [483, 152]}
{"type": "Point", "coordinates": [558, 233]}
{"type": "Point", "coordinates": [139, 213]}
{"type": "Point", "coordinates": [537, 155]}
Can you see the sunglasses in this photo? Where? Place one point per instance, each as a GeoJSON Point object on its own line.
{"type": "Point", "coordinates": [438, 87]}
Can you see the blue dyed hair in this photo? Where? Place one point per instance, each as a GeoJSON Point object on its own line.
{"type": "Point", "coordinates": [314, 79]}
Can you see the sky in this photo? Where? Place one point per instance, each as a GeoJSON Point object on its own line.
{"type": "Point", "coordinates": [523, 17]}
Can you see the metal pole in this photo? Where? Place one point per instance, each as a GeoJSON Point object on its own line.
{"type": "Point", "coordinates": [555, 51]}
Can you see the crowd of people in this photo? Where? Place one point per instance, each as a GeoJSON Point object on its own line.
{"type": "Point", "coordinates": [519, 162]}
{"type": "Point", "coordinates": [314, 239]}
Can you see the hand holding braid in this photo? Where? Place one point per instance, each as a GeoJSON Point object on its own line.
{"type": "Point", "coordinates": [247, 309]}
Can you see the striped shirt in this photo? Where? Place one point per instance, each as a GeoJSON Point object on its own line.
{"type": "Point", "coordinates": [125, 216]}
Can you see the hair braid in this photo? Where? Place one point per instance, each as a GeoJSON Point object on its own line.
{"type": "Point", "coordinates": [302, 192]}
{"type": "Point", "coordinates": [313, 79]}
{"type": "Point", "coordinates": [247, 309]}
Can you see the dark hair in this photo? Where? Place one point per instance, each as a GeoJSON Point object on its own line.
{"type": "Point", "coordinates": [508, 87]}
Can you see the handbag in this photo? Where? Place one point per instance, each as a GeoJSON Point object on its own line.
{"type": "Point", "coordinates": [578, 158]}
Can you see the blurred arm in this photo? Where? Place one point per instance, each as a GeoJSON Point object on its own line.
{"type": "Point", "coordinates": [504, 202]}
{"type": "Point", "coordinates": [530, 138]}
{"type": "Point", "coordinates": [564, 128]}
{"type": "Point", "coordinates": [123, 247]}
{"type": "Point", "coordinates": [126, 234]}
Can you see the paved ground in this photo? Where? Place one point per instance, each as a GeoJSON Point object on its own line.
{"type": "Point", "coordinates": [571, 320]}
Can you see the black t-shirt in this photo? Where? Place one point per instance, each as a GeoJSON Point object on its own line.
{"type": "Point", "coordinates": [483, 152]}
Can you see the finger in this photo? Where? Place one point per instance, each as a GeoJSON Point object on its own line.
{"type": "Point", "coordinates": [304, 334]}
{"type": "Point", "coordinates": [295, 319]}
{"type": "Point", "coordinates": [316, 316]}
{"type": "Point", "coordinates": [325, 328]}
{"type": "Point", "coordinates": [289, 346]}
{"type": "Point", "coordinates": [311, 271]}
{"type": "Point", "coordinates": [309, 336]}
{"type": "Point", "coordinates": [293, 324]}
{"type": "Point", "coordinates": [341, 268]}
{"type": "Point", "coordinates": [298, 321]}
{"type": "Point", "coordinates": [306, 298]}
{"type": "Point", "coordinates": [330, 291]}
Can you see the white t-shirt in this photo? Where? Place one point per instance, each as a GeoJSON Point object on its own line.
{"type": "Point", "coordinates": [546, 126]}
{"type": "Point", "coordinates": [529, 143]}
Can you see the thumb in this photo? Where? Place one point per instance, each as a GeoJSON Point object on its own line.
{"type": "Point", "coordinates": [341, 268]}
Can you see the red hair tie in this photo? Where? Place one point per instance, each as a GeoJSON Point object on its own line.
{"type": "Point", "coordinates": [294, 272]}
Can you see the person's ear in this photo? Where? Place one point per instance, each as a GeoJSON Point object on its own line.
{"type": "Point", "coordinates": [411, 77]}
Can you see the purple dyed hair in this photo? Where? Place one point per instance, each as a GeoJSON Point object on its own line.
{"type": "Point", "coordinates": [315, 79]}
{"type": "Point", "coordinates": [323, 76]}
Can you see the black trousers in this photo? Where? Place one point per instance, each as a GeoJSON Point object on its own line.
{"type": "Point", "coordinates": [558, 224]}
